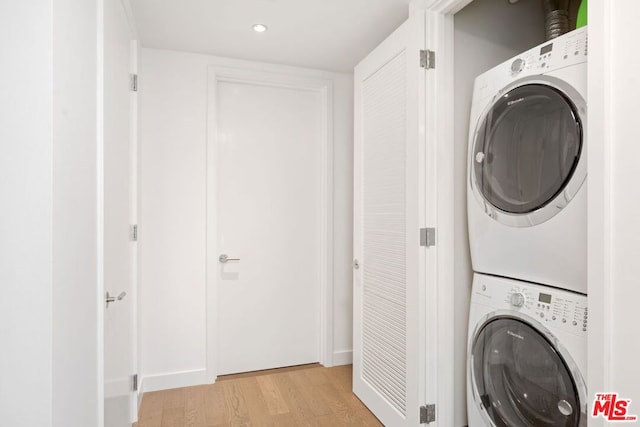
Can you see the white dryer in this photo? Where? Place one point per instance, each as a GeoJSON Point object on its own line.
{"type": "Point", "coordinates": [527, 355]}
{"type": "Point", "coordinates": [527, 166]}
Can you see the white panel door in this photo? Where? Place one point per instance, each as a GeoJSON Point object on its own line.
{"type": "Point", "coordinates": [268, 224]}
{"type": "Point", "coordinates": [119, 208]}
{"type": "Point", "coordinates": [388, 374]}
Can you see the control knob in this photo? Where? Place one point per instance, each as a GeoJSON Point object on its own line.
{"type": "Point", "coordinates": [517, 299]}
{"type": "Point", "coordinates": [517, 65]}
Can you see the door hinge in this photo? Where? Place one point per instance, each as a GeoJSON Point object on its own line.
{"type": "Point", "coordinates": [134, 382]}
{"type": "Point", "coordinates": [133, 82]}
{"type": "Point", "coordinates": [134, 233]}
{"type": "Point", "coordinates": [428, 236]}
{"type": "Point", "coordinates": [428, 413]}
{"type": "Point", "coordinates": [427, 59]}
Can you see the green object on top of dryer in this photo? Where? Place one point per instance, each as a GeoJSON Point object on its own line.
{"type": "Point", "coordinates": [582, 15]}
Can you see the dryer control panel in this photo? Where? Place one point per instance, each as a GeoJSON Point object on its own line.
{"type": "Point", "coordinates": [554, 308]}
{"type": "Point", "coordinates": [569, 49]}
{"type": "Point", "coordinates": [565, 51]}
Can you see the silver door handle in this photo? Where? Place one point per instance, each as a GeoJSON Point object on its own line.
{"type": "Point", "coordinates": [224, 258]}
{"type": "Point", "coordinates": [109, 298]}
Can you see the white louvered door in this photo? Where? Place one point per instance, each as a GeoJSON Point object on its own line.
{"type": "Point", "coordinates": [389, 371]}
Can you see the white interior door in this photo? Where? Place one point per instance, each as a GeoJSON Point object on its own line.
{"type": "Point", "coordinates": [388, 374]}
{"type": "Point", "coordinates": [269, 224]}
{"type": "Point", "coordinates": [119, 211]}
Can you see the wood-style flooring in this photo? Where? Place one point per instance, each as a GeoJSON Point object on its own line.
{"type": "Point", "coordinates": [303, 396]}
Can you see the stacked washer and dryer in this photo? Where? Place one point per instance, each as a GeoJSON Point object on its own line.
{"type": "Point", "coordinates": [527, 212]}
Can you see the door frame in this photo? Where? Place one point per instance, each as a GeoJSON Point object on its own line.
{"type": "Point", "coordinates": [324, 87]}
{"type": "Point", "coordinates": [134, 220]}
{"type": "Point", "coordinates": [439, 207]}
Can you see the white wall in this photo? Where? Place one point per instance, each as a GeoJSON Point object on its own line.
{"type": "Point", "coordinates": [625, 204]}
{"type": "Point", "coordinates": [487, 32]}
{"type": "Point", "coordinates": [614, 202]}
{"type": "Point", "coordinates": [48, 362]}
{"type": "Point", "coordinates": [173, 121]}
{"type": "Point", "coordinates": [25, 219]}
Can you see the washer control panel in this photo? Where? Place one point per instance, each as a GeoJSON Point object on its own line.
{"type": "Point", "coordinates": [562, 311]}
{"type": "Point", "coordinates": [552, 307]}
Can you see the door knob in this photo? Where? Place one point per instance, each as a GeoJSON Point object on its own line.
{"type": "Point", "coordinates": [356, 264]}
{"type": "Point", "coordinates": [110, 298]}
{"type": "Point", "coordinates": [223, 258]}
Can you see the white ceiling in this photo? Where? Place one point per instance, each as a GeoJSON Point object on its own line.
{"type": "Point", "coordinates": [324, 34]}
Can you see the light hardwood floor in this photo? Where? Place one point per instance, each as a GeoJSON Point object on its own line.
{"type": "Point", "coordinates": [310, 395]}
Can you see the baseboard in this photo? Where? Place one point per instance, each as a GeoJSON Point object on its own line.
{"type": "Point", "coordinates": [199, 376]}
{"type": "Point", "coordinates": [344, 357]}
{"type": "Point", "coordinates": [173, 380]}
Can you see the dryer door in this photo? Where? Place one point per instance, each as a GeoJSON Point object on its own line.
{"type": "Point", "coordinates": [526, 151]}
{"type": "Point", "coordinates": [519, 378]}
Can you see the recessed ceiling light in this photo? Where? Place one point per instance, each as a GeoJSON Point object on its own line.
{"type": "Point", "coordinates": [260, 28]}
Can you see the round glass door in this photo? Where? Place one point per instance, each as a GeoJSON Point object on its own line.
{"type": "Point", "coordinates": [520, 378]}
{"type": "Point", "coordinates": [527, 148]}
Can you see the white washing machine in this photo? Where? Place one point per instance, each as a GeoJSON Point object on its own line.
{"type": "Point", "coordinates": [527, 357]}
{"type": "Point", "coordinates": [526, 194]}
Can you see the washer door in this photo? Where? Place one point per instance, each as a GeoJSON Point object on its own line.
{"type": "Point", "coordinates": [520, 379]}
{"type": "Point", "coordinates": [527, 149]}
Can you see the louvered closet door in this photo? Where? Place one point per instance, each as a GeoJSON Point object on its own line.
{"type": "Point", "coordinates": [387, 342]}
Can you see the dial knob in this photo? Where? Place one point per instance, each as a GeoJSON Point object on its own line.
{"type": "Point", "coordinates": [517, 66]}
{"type": "Point", "coordinates": [517, 299]}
